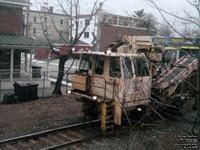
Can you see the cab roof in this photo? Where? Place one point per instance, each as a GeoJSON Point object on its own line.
{"type": "Point", "coordinates": [112, 54]}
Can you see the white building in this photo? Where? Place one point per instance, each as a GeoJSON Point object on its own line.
{"type": "Point", "coordinates": [91, 30]}
{"type": "Point", "coordinates": [46, 23]}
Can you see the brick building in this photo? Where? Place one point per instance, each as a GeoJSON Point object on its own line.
{"type": "Point", "coordinates": [11, 24]}
{"type": "Point", "coordinates": [13, 43]}
{"type": "Point", "coordinates": [11, 16]}
{"type": "Point", "coordinates": [113, 27]}
{"type": "Point", "coordinates": [105, 28]}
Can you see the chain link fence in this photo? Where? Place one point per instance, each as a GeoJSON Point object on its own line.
{"type": "Point", "coordinates": [44, 80]}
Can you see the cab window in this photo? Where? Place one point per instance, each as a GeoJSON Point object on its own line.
{"type": "Point", "coordinates": [127, 67]}
{"type": "Point", "coordinates": [99, 65]}
{"type": "Point", "coordinates": [141, 69]}
{"type": "Point", "coordinates": [84, 64]}
{"type": "Point", "coordinates": [114, 70]}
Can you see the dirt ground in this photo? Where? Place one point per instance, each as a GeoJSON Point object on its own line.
{"type": "Point", "coordinates": [29, 117]}
{"type": "Point", "coordinates": [42, 114]}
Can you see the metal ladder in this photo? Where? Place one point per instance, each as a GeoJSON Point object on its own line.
{"type": "Point", "coordinates": [107, 116]}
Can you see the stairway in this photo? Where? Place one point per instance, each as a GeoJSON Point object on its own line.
{"type": "Point", "coordinates": [107, 116]}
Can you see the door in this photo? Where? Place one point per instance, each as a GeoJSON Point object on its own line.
{"type": "Point", "coordinates": [98, 81]}
{"type": "Point", "coordinates": [137, 81]}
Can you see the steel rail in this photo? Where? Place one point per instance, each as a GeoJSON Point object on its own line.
{"type": "Point", "coordinates": [73, 142]}
{"type": "Point", "coordinates": [38, 134]}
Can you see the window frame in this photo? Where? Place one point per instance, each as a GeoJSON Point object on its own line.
{"type": "Point", "coordinates": [45, 30]}
{"type": "Point", "coordinates": [61, 33]}
{"type": "Point", "coordinates": [45, 18]}
{"type": "Point", "coordinates": [35, 19]}
{"type": "Point", "coordinates": [131, 68]}
{"type": "Point", "coordinates": [86, 35]}
{"type": "Point", "coordinates": [34, 31]}
{"type": "Point", "coordinates": [141, 73]}
{"type": "Point", "coordinates": [61, 21]}
{"type": "Point", "coordinates": [88, 67]}
{"type": "Point", "coordinates": [120, 74]}
{"type": "Point", "coordinates": [95, 69]}
{"type": "Point", "coordinates": [87, 22]}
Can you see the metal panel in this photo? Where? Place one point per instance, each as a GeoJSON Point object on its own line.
{"type": "Point", "coordinates": [79, 82]}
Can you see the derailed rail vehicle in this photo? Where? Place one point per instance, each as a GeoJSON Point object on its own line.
{"type": "Point", "coordinates": [111, 82]}
{"type": "Point", "coordinates": [121, 79]}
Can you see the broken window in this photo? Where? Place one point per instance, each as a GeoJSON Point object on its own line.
{"type": "Point", "coordinates": [84, 64]}
{"type": "Point", "coordinates": [114, 70]}
{"type": "Point", "coordinates": [141, 69]}
{"type": "Point", "coordinates": [99, 65]}
{"type": "Point", "coordinates": [127, 67]}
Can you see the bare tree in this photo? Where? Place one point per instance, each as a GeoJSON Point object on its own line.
{"type": "Point", "coordinates": [190, 32]}
{"type": "Point", "coordinates": [70, 8]}
{"type": "Point", "coordinates": [145, 20]}
{"type": "Point", "coordinates": [193, 20]}
{"type": "Point", "coordinates": [164, 30]}
{"type": "Point", "coordinates": [151, 22]}
{"type": "Point", "coordinates": [139, 14]}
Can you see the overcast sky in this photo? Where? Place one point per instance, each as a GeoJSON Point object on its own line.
{"type": "Point", "coordinates": [176, 6]}
{"type": "Point", "coordinates": [121, 6]}
{"type": "Point", "coordinates": [125, 7]}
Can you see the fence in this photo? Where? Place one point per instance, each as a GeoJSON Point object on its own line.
{"type": "Point", "coordinates": [45, 80]}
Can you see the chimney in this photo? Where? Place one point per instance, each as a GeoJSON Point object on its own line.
{"type": "Point", "coordinates": [51, 9]}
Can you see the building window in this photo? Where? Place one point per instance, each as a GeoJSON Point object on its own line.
{"type": "Point", "coordinates": [35, 19]}
{"type": "Point", "coordinates": [61, 21]}
{"type": "Point", "coordinates": [61, 33]}
{"type": "Point", "coordinates": [45, 19]}
{"type": "Point", "coordinates": [34, 31]}
{"type": "Point", "coordinates": [45, 30]}
{"type": "Point", "coordinates": [86, 35]}
{"type": "Point", "coordinates": [87, 22]}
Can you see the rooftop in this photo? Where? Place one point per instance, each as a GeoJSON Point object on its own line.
{"type": "Point", "coordinates": [15, 2]}
{"type": "Point", "coordinates": [112, 54]}
{"type": "Point", "coordinates": [20, 42]}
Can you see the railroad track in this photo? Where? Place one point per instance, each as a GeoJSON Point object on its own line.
{"type": "Point", "coordinates": [59, 138]}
